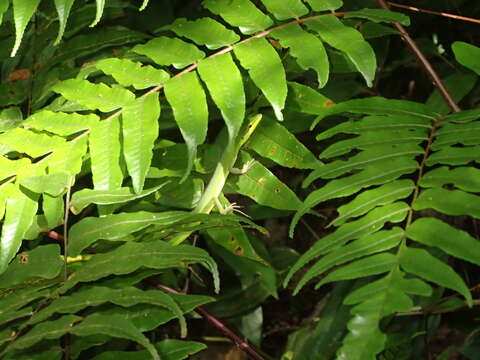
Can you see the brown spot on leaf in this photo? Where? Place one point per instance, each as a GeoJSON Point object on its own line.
{"type": "Point", "coordinates": [239, 251]}
{"type": "Point", "coordinates": [20, 74]}
{"type": "Point", "coordinates": [23, 258]}
{"type": "Point", "coordinates": [329, 103]}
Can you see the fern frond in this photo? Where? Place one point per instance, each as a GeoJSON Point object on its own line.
{"type": "Point", "coordinates": [372, 169]}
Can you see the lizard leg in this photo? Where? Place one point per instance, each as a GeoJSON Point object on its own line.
{"type": "Point", "coordinates": [247, 166]}
{"type": "Point", "coordinates": [225, 210]}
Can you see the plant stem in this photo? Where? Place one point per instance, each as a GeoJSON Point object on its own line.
{"type": "Point", "coordinates": [242, 344]}
{"type": "Point", "coordinates": [425, 63]}
{"type": "Point", "coordinates": [425, 11]}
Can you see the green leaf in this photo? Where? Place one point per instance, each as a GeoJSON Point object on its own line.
{"type": "Point", "coordinates": [369, 199]}
{"type": "Point", "coordinates": [240, 13]}
{"type": "Point", "coordinates": [450, 202]}
{"type": "Point", "coordinates": [114, 326]}
{"type": "Point", "coordinates": [188, 100]}
{"type": "Point", "coordinates": [372, 124]}
{"type": "Point", "coordinates": [169, 349]}
{"type": "Point", "coordinates": [371, 265]}
{"type": "Point", "coordinates": [30, 143]}
{"type": "Point", "coordinates": [82, 198]}
{"type": "Point", "coordinates": [266, 70]}
{"type": "Point", "coordinates": [19, 214]}
{"type": "Point", "coordinates": [51, 184]}
{"type": "Point", "coordinates": [53, 209]}
{"type": "Point", "coordinates": [262, 186]}
{"type": "Point", "coordinates": [371, 175]}
{"type": "Point", "coordinates": [464, 178]}
{"type": "Point", "coordinates": [167, 51]}
{"type": "Point", "coordinates": [97, 295]}
{"type": "Point", "coordinates": [68, 157]}
{"type": "Point", "coordinates": [140, 130]}
{"type": "Point", "coordinates": [434, 232]}
{"type": "Point", "coordinates": [9, 167]}
{"type": "Point", "coordinates": [369, 224]}
{"type": "Point", "coordinates": [374, 155]}
{"type": "Point", "coordinates": [458, 85]}
{"type": "Point", "coordinates": [60, 123]}
{"type": "Point", "coordinates": [23, 11]}
{"type": "Point", "coordinates": [146, 317]}
{"type": "Point", "coordinates": [114, 227]}
{"type": "Point", "coordinates": [91, 43]}
{"type": "Point", "coordinates": [286, 9]}
{"type": "Point", "coordinates": [129, 73]}
{"type": "Point", "coordinates": [46, 330]}
{"type": "Point", "coordinates": [349, 41]}
{"type": "Point", "coordinates": [10, 118]}
{"type": "Point", "coordinates": [322, 5]}
{"type": "Point", "coordinates": [463, 116]}
{"type": "Point", "coordinates": [379, 106]}
{"type": "Point", "coordinates": [42, 262]}
{"type": "Point", "coordinates": [94, 96]}
{"type": "Point", "coordinates": [367, 245]}
{"type": "Point", "coordinates": [132, 256]}
{"type": "Point", "coordinates": [428, 267]}
{"type": "Point", "coordinates": [234, 240]}
{"type": "Point", "coordinates": [104, 143]}
{"type": "Point", "coordinates": [144, 5]}
{"type": "Point", "coordinates": [4, 4]}
{"type": "Point", "coordinates": [305, 99]}
{"type": "Point", "coordinates": [379, 15]}
{"type": "Point", "coordinates": [466, 54]}
{"type": "Point", "coordinates": [454, 156]}
{"type": "Point", "coordinates": [225, 85]}
{"type": "Point", "coordinates": [453, 134]}
{"type": "Point", "coordinates": [365, 340]}
{"type": "Point", "coordinates": [100, 4]}
{"type": "Point", "coordinates": [63, 10]}
{"type": "Point", "coordinates": [307, 49]}
{"type": "Point", "coordinates": [273, 141]}
{"type": "Point", "coordinates": [204, 31]}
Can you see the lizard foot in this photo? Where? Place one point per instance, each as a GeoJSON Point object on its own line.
{"type": "Point", "coordinates": [247, 166]}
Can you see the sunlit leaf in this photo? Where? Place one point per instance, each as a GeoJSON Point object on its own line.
{"type": "Point", "coordinates": [19, 215]}
{"type": "Point", "coordinates": [129, 73]}
{"type": "Point", "coordinates": [167, 51]}
{"type": "Point", "coordinates": [63, 10]}
{"type": "Point", "coordinates": [204, 31]}
{"type": "Point", "coordinates": [94, 96]}
{"type": "Point", "coordinates": [23, 11]}
{"type": "Point", "coordinates": [307, 49]}
{"type": "Point", "coordinates": [226, 89]}
{"type": "Point", "coordinates": [240, 13]}
{"type": "Point", "coordinates": [287, 9]}
{"type": "Point", "coordinates": [266, 70]}
{"type": "Point", "coordinates": [105, 151]}
{"type": "Point", "coordinates": [189, 104]}
{"type": "Point", "coordinates": [140, 130]}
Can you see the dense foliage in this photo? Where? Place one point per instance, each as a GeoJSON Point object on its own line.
{"type": "Point", "coordinates": [120, 124]}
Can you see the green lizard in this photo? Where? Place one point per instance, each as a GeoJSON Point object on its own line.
{"type": "Point", "coordinates": [224, 167]}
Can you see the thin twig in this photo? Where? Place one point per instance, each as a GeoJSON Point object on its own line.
{"type": "Point", "coordinates": [65, 225]}
{"type": "Point", "coordinates": [431, 12]}
{"type": "Point", "coordinates": [242, 344]}
{"type": "Point", "coordinates": [425, 63]}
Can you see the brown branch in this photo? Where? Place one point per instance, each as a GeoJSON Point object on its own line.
{"type": "Point", "coordinates": [431, 12]}
{"type": "Point", "coordinates": [242, 344]}
{"type": "Point", "coordinates": [425, 63]}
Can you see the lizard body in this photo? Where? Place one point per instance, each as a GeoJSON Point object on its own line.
{"type": "Point", "coordinates": [223, 168]}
